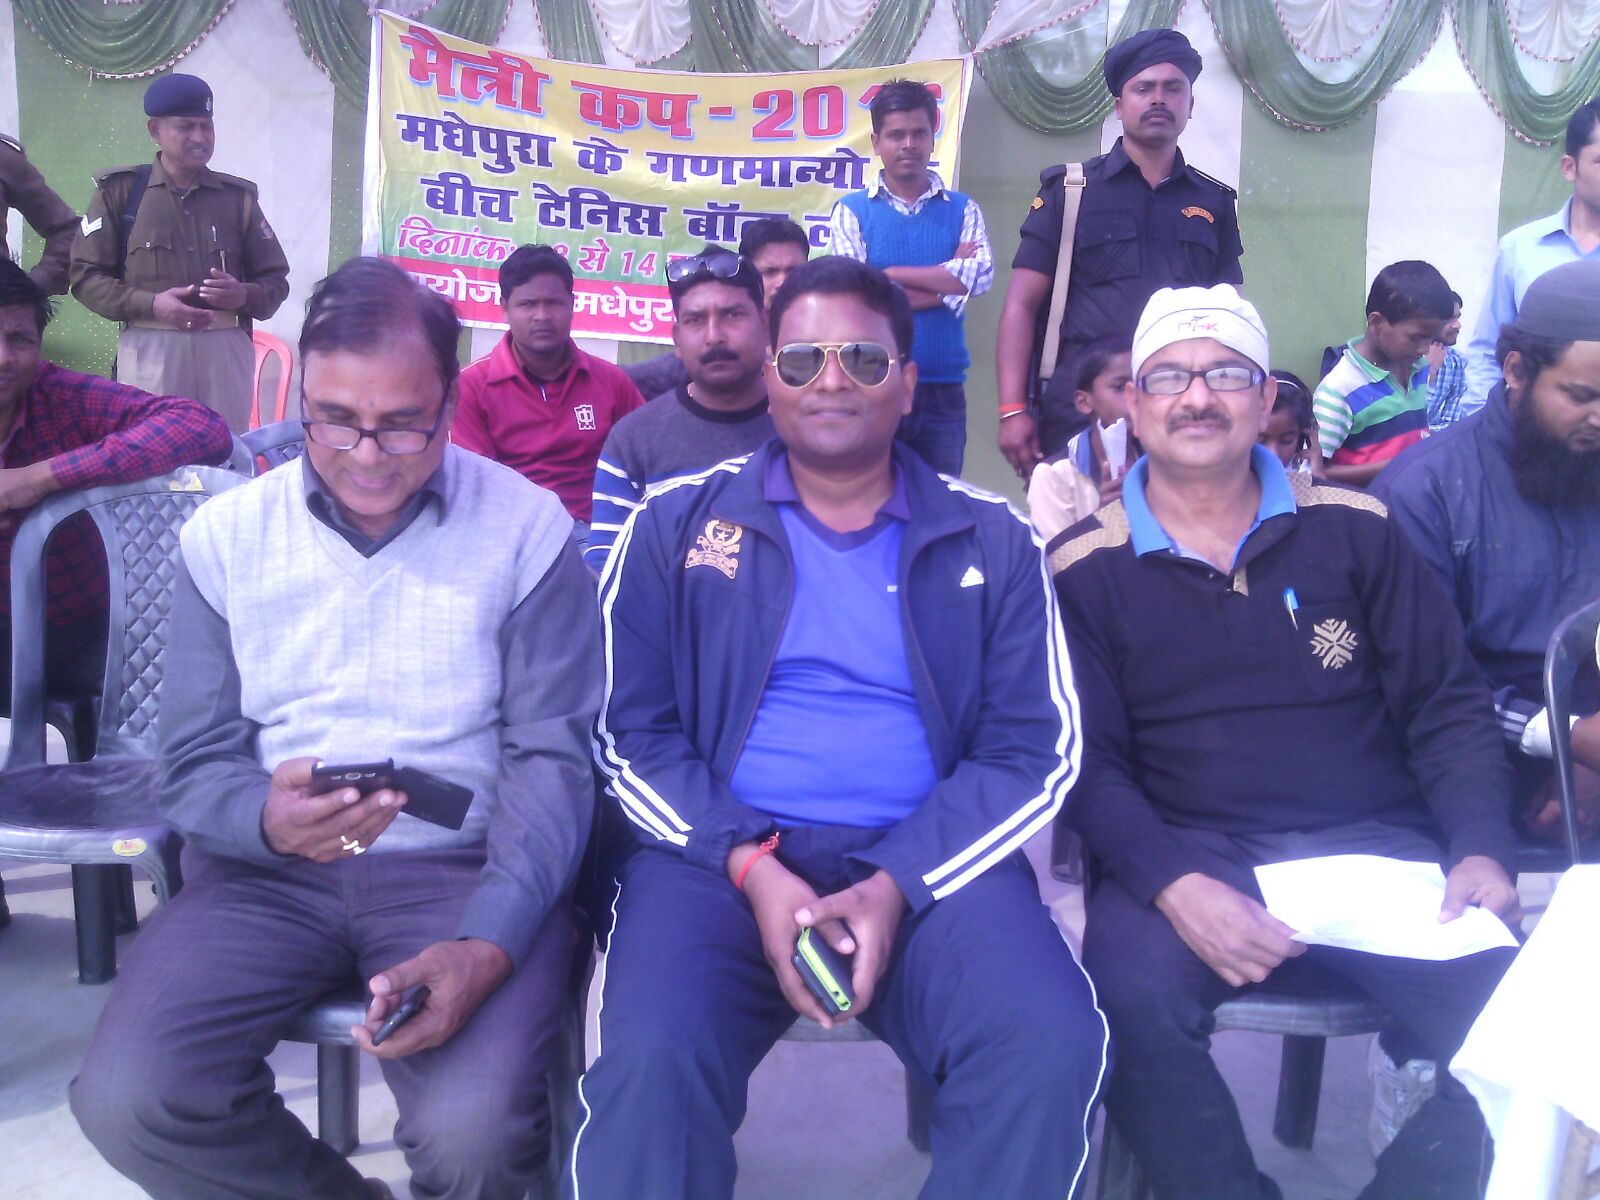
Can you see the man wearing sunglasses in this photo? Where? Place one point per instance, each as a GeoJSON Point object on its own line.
{"type": "Point", "coordinates": [1230, 624]}
{"type": "Point", "coordinates": [385, 596]}
{"type": "Point", "coordinates": [721, 412]}
{"type": "Point", "coordinates": [839, 699]}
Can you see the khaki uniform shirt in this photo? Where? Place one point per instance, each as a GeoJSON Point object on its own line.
{"type": "Point", "coordinates": [175, 241]}
{"type": "Point", "coordinates": [24, 189]}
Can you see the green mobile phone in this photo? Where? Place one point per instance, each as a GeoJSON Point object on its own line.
{"type": "Point", "coordinates": [826, 972]}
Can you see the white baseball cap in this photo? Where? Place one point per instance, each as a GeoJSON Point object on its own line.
{"type": "Point", "coordinates": [1183, 314]}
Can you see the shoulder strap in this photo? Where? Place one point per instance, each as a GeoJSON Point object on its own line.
{"type": "Point", "coordinates": [1072, 182]}
{"type": "Point", "coordinates": [130, 212]}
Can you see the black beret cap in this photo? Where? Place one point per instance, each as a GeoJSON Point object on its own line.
{"type": "Point", "coordinates": [1144, 50]}
{"type": "Point", "coordinates": [178, 96]}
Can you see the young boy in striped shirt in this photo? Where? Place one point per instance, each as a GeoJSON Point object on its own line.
{"type": "Point", "coordinates": [1374, 403]}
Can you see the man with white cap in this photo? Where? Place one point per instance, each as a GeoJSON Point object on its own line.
{"type": "Point", "coordinates": [1235, 633]}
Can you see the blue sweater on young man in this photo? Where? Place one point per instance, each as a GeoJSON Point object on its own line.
{"type": "Point", "coordinates": [928, 239]}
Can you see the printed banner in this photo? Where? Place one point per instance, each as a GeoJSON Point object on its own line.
{"type": "Point", "coordinates": [473, 151]}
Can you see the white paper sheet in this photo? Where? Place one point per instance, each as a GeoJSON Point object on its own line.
{"type": "Point", "coordinates": [1380, 905]}
{"type": "Point", "coordinates": [1114, 437]}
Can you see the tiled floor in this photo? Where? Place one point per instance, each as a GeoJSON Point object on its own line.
{"type": "Point", "coordinates": [824, 1119]}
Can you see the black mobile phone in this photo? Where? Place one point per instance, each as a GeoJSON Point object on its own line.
{"type": "Point", "coordinates": [366, 778]}
{"type": "Point", "coordinates": [826, 972]}
{"type": "Point", "coordinates": [431, 799]}
{"type": "Point", "coordinates": [409, 1008]}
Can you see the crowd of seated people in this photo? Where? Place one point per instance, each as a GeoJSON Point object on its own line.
{"type": "Point", "coordinates": [744, 686]}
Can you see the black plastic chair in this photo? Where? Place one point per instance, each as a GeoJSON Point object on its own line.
{"type": "Point", "coordinates": [1571, 651]}
{"type": "Point", "coordinates": [1305, 1020]}
{"type": "Point", "coordinates": [326, 1025]}
{"type": "Point", "coordinates": [273, 445]}
{"type": "Point", "coordinates": [101, 814]}
{"type": "Point", "coordinates": [74, 714]}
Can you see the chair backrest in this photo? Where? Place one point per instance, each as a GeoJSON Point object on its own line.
{"type": "Point", "coordinates": [240, 459]}
{"type": "Point", "coordinates": [275, 444]}
{"type": "Point", "coordinates": [1571, 650]}
{"type": "Point", "coordinates": [138, 525]}
{"type": "Point", "coordinates": [269, 347]}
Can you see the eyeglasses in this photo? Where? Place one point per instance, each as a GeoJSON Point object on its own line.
{"type": "Point", "coordinates": [1174, 381]}
{"type": "Point", "coordinates": [391, 441]}
{"type": "Point", "coordinates": [715, 264]}
{"type": "Point", "coordinates": [800, 363]}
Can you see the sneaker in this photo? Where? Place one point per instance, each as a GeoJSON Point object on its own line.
{"type": "Point", "coordinates": [1397, 1093]}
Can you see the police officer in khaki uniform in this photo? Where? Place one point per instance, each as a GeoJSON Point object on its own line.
{"type": "Point", "coordinates": [193, 266]}
{"type": "Point", "coordinates": [24, 189]}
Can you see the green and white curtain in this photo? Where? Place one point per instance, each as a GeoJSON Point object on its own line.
{"type": "Point", "coordinates": [1312, 64]}
{"type": "Point", "coordinates": [1358, 132]}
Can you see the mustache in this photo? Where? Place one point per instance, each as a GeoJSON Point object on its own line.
{"type": "Point", "coordinates": [1202, 416]}
{"type": "Point", "coordinates": [712, 356]}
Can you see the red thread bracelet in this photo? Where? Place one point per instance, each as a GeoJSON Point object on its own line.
{"type": "Point", "coordinates": [761, 851]}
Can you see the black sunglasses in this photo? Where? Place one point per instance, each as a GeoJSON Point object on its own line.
{"type": "Point", "coordinates": [712, 264]}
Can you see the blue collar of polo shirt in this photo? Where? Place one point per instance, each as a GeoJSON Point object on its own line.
{"type": "Point", "coordinates": [1149, 537]}
{"type": "Point", "coordinates": [777, 487]}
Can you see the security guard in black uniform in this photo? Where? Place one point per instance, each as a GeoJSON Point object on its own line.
{"type": "Point", "coordinates": [1146, 220]}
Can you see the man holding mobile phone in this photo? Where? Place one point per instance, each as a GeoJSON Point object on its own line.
{"type": "Point", "coordinates": [839, 700]}
{"type": "Point", "coordinates": [386, 595]}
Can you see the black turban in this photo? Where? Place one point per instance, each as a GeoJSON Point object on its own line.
{"type": "Point", "coordinates": [1144, 50]}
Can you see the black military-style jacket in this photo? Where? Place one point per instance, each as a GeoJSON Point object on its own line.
{"type": "Point", "coordinates": [1131, 239]}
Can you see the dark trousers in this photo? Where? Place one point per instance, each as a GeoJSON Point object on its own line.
{"type": "Point", "coordinates": [1166, 1094]}
{"type": "Point", "coordinates": [175, 1092]}
{"type": "Point", "coordinates": [936, 427]}
{"type": "Point", "coordinates": [982, 1000]}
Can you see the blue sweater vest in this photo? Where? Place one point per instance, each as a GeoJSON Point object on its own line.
{"type": "Point", "coordinates": [928, 239]}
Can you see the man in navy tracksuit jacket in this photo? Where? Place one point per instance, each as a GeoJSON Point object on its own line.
{"type": "Point", "coordinates": [829, 643]}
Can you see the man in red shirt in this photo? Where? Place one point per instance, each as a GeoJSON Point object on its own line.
{"type": "Point", "coordinates": [60, 429]}
{"type": "Point", "coordinates": [536, 402]}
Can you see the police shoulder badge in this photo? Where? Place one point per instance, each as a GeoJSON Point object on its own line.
{"type": "Point", "coordinates": [1194, 210]}
{"type": "Point", "coordinates": [717, 547]}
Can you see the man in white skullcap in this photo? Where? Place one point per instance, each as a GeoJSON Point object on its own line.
{"type": "Point", "coordinates": [1269, 672]}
